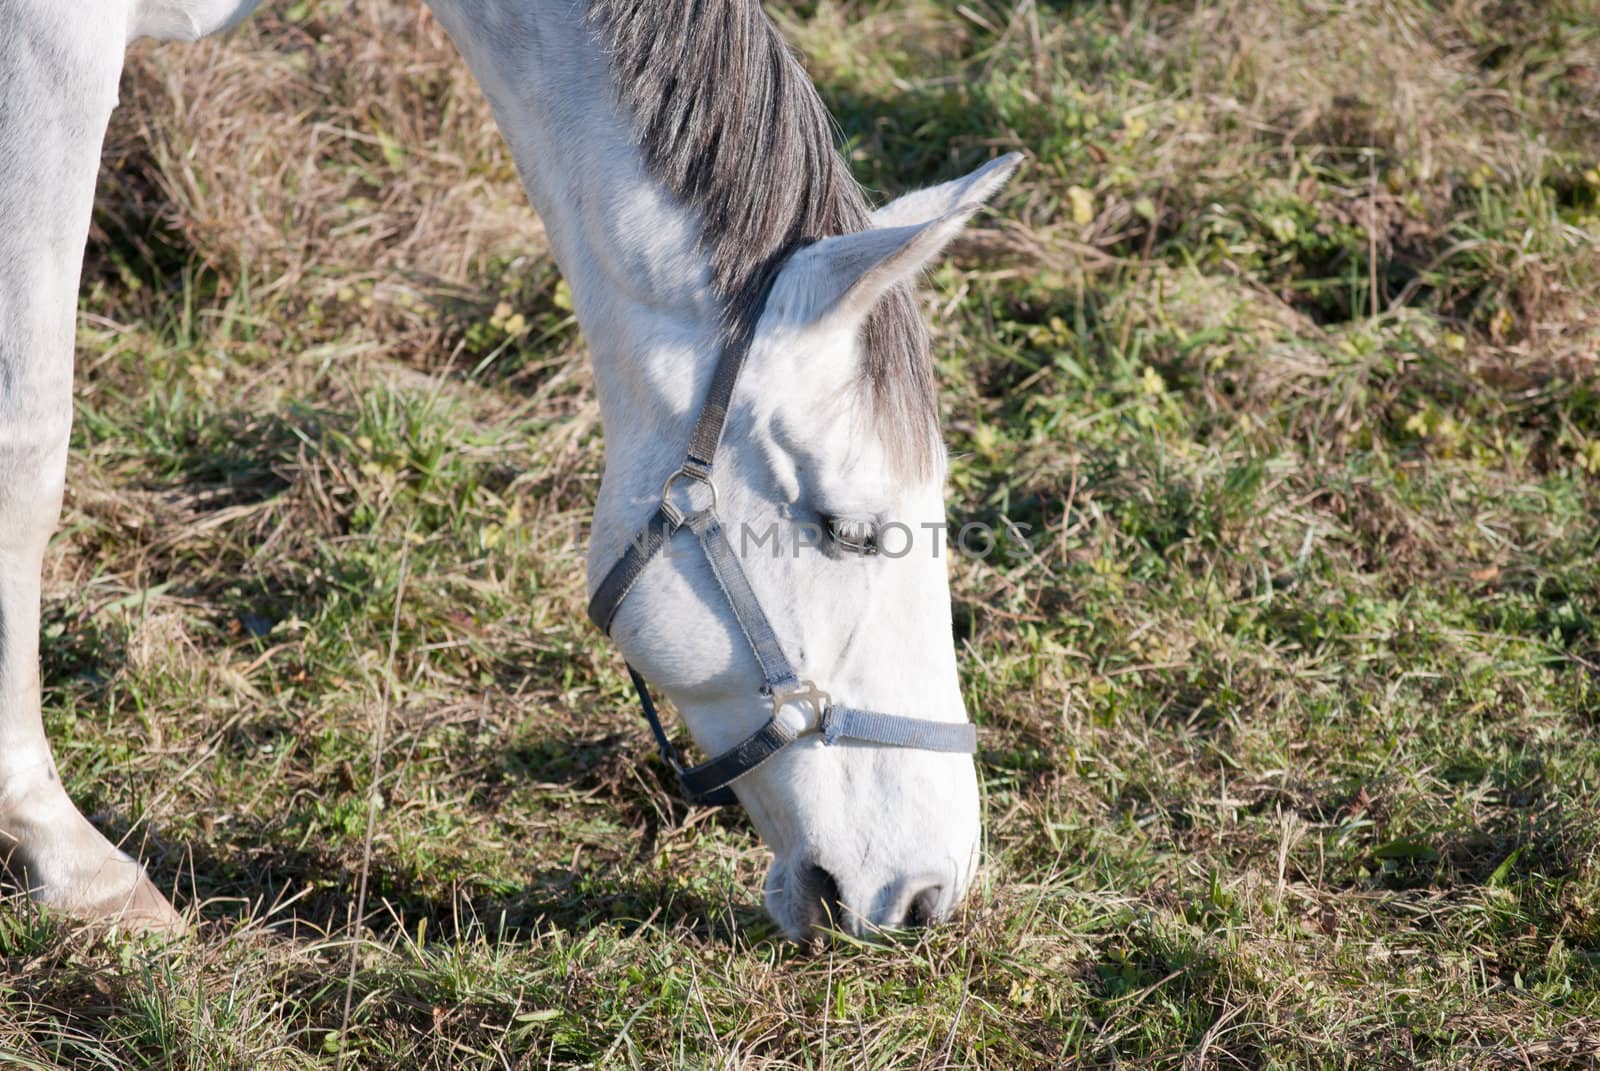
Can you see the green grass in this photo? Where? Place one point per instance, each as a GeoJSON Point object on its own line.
{"type": "Point", "coordinates": [1284, 353]}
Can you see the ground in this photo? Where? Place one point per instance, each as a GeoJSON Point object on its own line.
{"type": "Point", "coordinates": [1279, 364]}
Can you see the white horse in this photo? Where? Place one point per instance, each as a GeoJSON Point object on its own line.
{"type": "Point", "coordinates": [686, 177]}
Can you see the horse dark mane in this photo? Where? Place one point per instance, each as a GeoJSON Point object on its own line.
{"type": "Point", "coordinates": [729, 122]}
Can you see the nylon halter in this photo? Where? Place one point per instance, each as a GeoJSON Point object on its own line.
{"type": "Point", "coordinates": [709, 783]}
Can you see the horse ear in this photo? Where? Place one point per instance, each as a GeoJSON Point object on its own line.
{"type": "Point", "coordinates": [920, 206]}
{"type": "Point", "coordinates": [843, 277]}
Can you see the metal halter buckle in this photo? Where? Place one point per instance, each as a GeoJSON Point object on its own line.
{"type": "Point", "coordinates": [672, 511]}
{"type": "Point", "coordinates": [804, 692]}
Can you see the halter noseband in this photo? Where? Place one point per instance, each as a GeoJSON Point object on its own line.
{"type": "Point", "coordinates": [708, 783]}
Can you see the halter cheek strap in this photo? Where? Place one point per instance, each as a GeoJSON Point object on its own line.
{"type": "Point", "coordinates": [708, 783]}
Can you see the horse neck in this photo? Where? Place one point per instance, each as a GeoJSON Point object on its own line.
{"type": "Point", "coordinates": [641, 288]}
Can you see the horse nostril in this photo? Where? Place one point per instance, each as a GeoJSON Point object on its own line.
{"type": "Point", "coordinates": [819, 892]}
{"type": "Point", "coordinates": [924, 907]}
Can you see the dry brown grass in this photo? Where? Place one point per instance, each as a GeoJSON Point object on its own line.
{"type": "Point", "coordinates": [348, 161]}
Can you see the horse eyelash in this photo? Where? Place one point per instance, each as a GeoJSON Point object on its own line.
{"type": "Point", "coordinates": [851, 534]}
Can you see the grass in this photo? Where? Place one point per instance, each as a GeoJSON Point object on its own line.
{"type": "Point", "coordinates": [1283, 352]}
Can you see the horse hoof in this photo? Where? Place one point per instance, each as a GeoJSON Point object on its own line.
{"type": "Point", "coordinates": [114, 902]}
{"type": "Point", "coordinates": [145, 911]}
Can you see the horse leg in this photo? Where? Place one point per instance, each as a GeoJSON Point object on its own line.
{"type": "Point", "coordinates": [59, 66]}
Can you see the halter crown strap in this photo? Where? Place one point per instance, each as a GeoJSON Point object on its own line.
{"type": "Point", "coordinates": [707, 435]}
{"type": "Point", "coordinates": [697, 465]}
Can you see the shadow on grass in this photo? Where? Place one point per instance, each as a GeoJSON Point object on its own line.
{"type": "Point", "coordinates": [309, 894]}
{"type": "Point", "coordinates": [306, 883]}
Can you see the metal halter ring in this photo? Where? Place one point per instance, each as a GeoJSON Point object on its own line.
{"type": "Point", "coordinates": [677, 515]}
{"type": "Point", "coordinates": [804, 692]}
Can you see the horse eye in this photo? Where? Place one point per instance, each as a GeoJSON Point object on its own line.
{"type": "Point", "coordinates": [855, 535]}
